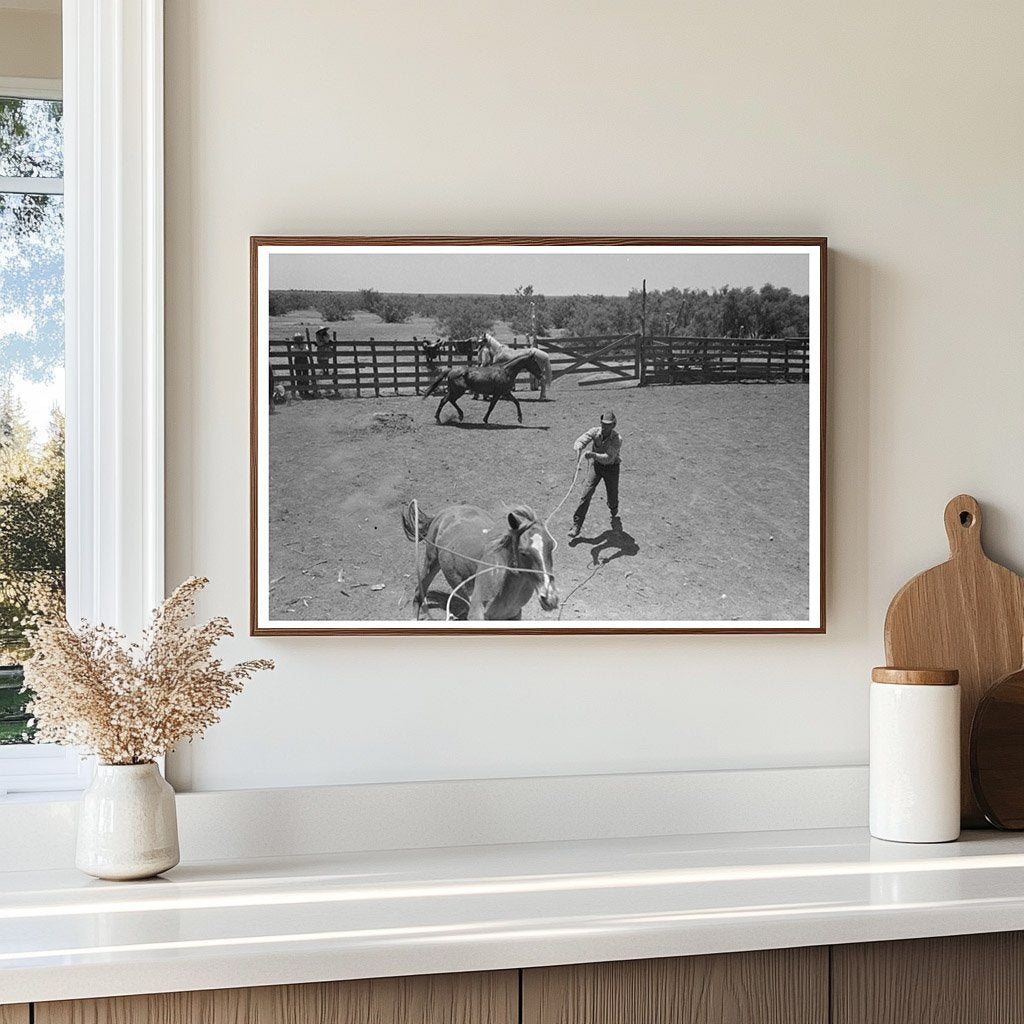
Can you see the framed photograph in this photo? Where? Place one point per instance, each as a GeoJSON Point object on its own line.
{"type": "Point", "coordinates": [537, 435]}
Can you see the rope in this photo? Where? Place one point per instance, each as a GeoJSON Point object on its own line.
{"type": "Point", "coordinates": [579, 462]}
{"type": "Point", "coordinates": [416, 556]}
{"type": "Point", "coordinates": [489, 566]}
{"type": "Point", "coordinates": [561, 605]}
{"type": "Point", "coordinates": [469, 579]}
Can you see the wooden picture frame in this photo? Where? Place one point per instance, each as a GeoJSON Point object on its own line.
{"type": "Point", "coordinates": [722, 438]}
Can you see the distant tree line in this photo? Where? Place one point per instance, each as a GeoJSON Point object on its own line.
{"type": "Point", "coordinates": [768, 312]}
{"type": "Point", "coordinates": [332, 306]}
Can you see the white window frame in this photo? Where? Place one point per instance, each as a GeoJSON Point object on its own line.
{"type": "Point", "coordinates": [114, 345]}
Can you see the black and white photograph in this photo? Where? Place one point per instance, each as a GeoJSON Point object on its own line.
{"type": "Point", "coordinates": [537, 435]}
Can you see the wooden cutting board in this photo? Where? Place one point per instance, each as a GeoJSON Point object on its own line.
{"type": "Point", "coordinates": [967, 614]}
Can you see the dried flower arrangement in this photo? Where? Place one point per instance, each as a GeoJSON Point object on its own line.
{"type": "Point", "coordinates": [130, 703]}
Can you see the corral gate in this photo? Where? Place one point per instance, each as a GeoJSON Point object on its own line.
{"type": "Point", "coordinates": [671, 360]}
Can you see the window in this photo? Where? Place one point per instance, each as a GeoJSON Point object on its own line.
{"type": "Point", "coordinates": [113, 329]}
{"type": "Point", "coordinates": [32, 531]}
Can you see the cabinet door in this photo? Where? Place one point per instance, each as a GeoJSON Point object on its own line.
{"type": "Point", "coordinates": [14, 1014]}
{"type": "Point", "coordinates": [490, 998]}
{"type": "Point", "coordinates": [962, 979]}
{"type": "Point", "coordinates": [778, 986]}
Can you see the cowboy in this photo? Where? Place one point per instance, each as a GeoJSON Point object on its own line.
{"type": "Point", "coordinates": [601, 447]}
{"type": "Point", "coordinates": [302, 361]}
{"type": "Point", "coordinates": [324, 352]}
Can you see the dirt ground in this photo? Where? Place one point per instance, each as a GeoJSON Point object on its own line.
{"type": "Point", "coordinates": [713, 500]}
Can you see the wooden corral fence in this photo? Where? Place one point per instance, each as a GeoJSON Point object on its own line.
{"type": "Point", "coordinates": [667, 360]}
{"type": "Point", "coordinates": [360, 368]}
{"type": "Point", "coordinates": [607, 359]}
{"type": "Point", "coordinates": [364, 368]}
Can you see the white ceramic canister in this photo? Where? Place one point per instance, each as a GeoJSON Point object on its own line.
{"type": "Point", "coordinates": [127, 824]}
{"type": "Point", "coordinates": [915, 755]}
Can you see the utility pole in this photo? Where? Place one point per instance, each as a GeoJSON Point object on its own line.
{"type": "Point", "coordinates": [642, 346]}
{"type": "Point", "coordinates": [534, 383]}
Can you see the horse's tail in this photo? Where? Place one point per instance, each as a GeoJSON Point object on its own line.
{"type": "Point", "coordinates": [412, 515]}
{"type": "Point", "coordinates": [545, 360]}
{"type": "Point", "coordinates": [433, 387]}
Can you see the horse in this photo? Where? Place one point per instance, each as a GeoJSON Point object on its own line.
{"type": "Point", "coordinates": [496, 382]}
{"type": "Point", "coordinates": [491, 351]}
{"type": "Point", "coordinates": [463, 540]}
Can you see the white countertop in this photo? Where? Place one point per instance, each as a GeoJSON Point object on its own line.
{"type": "Point", "coordinates": [227, 924]}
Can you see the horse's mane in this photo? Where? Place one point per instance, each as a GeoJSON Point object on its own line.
{"type": "Point", "coordinates": [519, 359]}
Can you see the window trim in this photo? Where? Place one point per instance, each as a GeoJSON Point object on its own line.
{"type": "Point", "coordinates": [114, 345]}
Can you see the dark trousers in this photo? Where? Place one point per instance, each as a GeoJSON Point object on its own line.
{"type": "Point", "coordinates": [598, 472]}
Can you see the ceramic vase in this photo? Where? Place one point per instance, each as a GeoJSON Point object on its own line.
{"type": "Point", "coordinates": [127, 825]}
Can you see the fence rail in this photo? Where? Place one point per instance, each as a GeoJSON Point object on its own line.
{"type": "Point", "coordinates": [669, 360]}
{"type": "Point", "coordinates": [363, 368]}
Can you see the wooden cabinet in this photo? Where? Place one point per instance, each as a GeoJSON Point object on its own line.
{"type": "Point", "coordinates": [491, 998]}
{"type": "Point", "coordinates": [962, 979]}
{"type": "Point", "coordinates": [968, 979]}
{"type": "Point", "coordinates": [778, 986]}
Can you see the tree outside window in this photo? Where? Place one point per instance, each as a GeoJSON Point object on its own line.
{"type": "Point", "coordinates": [32, 546]}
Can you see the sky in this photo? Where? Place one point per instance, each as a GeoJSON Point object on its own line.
{"type": "Point", "coordinates": [550, 274]}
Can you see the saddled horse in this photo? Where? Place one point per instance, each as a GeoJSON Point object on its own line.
{"type": "Point", "coordinates": [491, 351]}
{"type": "Point", "coordinates": [495, 382]}
{"type": "Point", "coordinates": [514, 562]}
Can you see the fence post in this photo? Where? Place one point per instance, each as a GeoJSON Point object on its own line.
{"type": "Point", "coordinates": [334, 365]}
{"type": "Point", "coordinates": [768, 365]}
{"type": "Point", "coordinates": [376, 375]}
{"type": "Point", "coordinates": [416, 357]}
{"type": "Point", "coordinates": [355, 364]}
{"type": "Point", "coordinates": [394, 364]}
{"type": "Point", "coordinates": [311, 355]}
{"type": "Point", "coordinates": [291, 371]}
{"type": "Point", "coordinates": [641, 342]}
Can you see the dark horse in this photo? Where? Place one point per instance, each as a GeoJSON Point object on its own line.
{"type": "Point", "coordinates": [495, 381]}
{"type": "Point", "coordinates": [463, 540]}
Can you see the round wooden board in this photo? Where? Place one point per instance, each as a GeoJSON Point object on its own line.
{"type": "Point", "coordinates": [997, 752]}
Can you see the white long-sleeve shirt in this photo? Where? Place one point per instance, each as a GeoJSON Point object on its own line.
{"type": "Point", "coordinates": [606, 449]}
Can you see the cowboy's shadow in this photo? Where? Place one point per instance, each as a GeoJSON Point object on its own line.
{"type": "Point", "coordinates": [615, 540]}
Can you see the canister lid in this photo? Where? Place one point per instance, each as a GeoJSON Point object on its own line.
{"type": "Point", "coordinates": [916, 676]}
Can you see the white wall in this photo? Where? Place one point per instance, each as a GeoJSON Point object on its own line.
{"type": "Point", "coordinates": [895, 129]}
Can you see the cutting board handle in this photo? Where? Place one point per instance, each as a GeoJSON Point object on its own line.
{"type": "Point", "coordinates": [963, 526]}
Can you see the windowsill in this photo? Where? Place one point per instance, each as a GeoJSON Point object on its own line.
{"type": "Point", "coordinates": [388, 913]}
{"type": "Point", "coordinates": [48, 797]}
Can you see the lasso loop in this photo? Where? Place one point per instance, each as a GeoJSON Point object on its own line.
{"type": "Point", "coordinates": [488, 566]}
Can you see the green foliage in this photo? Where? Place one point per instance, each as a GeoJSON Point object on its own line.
{"type": "Point", "coordinates": [390, 307]}
{"type": "Point", "coordinates": [526, 312]}
{"type": "Point", "coordinates": [463, 317]}
{"type": "Point", "coordinates": [332, 306]}
{"type": "Point", "coordinates": [31, 520]}
{"type": "Point", "coordinates": [32, 545]}
{"type": "Point", "coordinates": [768, 312]}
